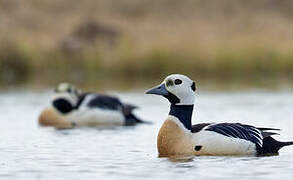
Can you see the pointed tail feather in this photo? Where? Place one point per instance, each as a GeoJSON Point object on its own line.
{"type": "Point", "coordinates": [131, 119]}
{"type": "Point", "coordinates": [128, 108]}
{"type": "Point", "coordinates": [268, 129]}
{"type": "Point", "coordinates": [289, 143]}
{"type": "Point", "coordinates": [267, 134]}
{"type": "Point", "coordinates": [272, 146]}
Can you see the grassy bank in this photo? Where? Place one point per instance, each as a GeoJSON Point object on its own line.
{"type": "Point", "coordinates": [129, 43]}
{"type": "Point", "coordinates": [124, 67]}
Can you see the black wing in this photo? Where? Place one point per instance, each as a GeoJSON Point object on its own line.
{"type": "Point", "coordinates": [198, 127]}
{"type": "Point", "coordinates": [99, 101]}
{"type": "Point", "coordinates": [237, 130]}
{"type": "Point", "coordinates": [105, 102]}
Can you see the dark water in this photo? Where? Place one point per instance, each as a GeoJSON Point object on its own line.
{"type": "Point", "coordinates": [28, 151]}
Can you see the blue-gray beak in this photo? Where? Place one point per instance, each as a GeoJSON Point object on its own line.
{"type": "Point", "coordinates": [159, 90]}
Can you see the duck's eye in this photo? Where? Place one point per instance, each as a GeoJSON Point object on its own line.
{"type": "Point", "coordinates": [69, 90]}
{"type": "Point", "coordinates": [177, 81]}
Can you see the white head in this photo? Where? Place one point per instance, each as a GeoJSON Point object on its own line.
{"type": "Point", "coordinates": [177, 88]}
{"type": "Point", "coordinates": [67, 91]}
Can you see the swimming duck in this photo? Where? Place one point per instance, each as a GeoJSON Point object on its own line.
{"type": "Point", "coordinates": [178, 137]}
{"type": "Point", "coordinates": [72, 108]}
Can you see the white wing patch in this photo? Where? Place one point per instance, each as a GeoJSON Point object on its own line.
{"type": "Point", "coordinates": [216, 144]}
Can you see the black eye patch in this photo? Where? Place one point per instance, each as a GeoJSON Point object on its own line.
{"type": "Point", "coordinates": [177, 81]}
{"type": "Point", "coordinates": [193, 87]}
{"type": "Point", "coordinates": [69, 90]}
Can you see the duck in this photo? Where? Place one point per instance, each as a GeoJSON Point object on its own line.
{"type": "Point", "coordinates": [72, 108]}
{"type": "Point", "coordinates": [178, 137]}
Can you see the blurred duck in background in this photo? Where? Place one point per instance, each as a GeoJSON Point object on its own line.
{"type": "Point", "coordinates": [72, 108]}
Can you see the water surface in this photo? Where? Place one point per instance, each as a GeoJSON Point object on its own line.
{"type": "Point", "coordinates": [28, 151]}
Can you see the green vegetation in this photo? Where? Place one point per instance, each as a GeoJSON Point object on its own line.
{"type": "Point", "coordinates": [92, 68]}
{"type": "Point", "coordinates": [131, 43]}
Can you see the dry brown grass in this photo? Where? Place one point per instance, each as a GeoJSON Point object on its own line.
{"type": "Point", "coordinates": [152, 38]}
